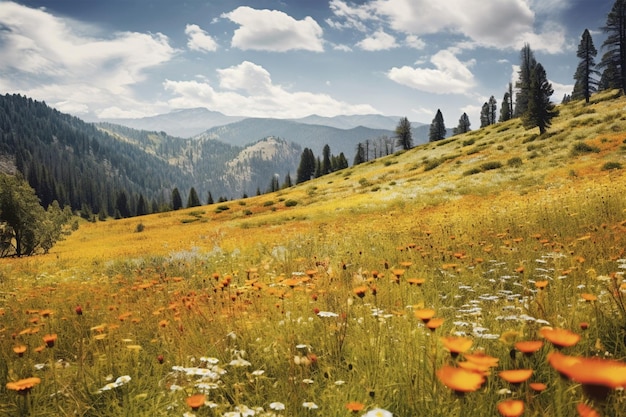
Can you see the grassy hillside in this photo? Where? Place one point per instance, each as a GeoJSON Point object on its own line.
{"type": "Point", "coordinates": [312, 298]}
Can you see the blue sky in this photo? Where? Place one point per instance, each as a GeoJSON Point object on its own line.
{"type": "Point", "coordinates": [286, 58]}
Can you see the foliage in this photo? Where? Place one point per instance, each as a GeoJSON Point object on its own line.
{"type": "Point", "coordinates": [437, 128]}
{"type": "Point", "coordinates": [193, 200]}
{"type": "Point", "coordinates": [585, 84]}
{"type": "Point", "coordinates": [25, 227]}
{"type": "Point", "coordinates": [614, 59]}
{"type": "Point", "coordinates": [527, 67]}
{"type": "Point", "coordinates": [306, 169]}
{"type": "Point", "coordinates": [404, 137]}
{"type": "Point", "coordinates": [463, 126]}
{"type": "Point", "coordinates": [177, 200]}
{"type": "Point", "coordinates": [540, 111]}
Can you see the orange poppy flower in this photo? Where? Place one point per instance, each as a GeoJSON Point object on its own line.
{"type": "Point", "coordinates": [475, 367]}
{"type": "Point", "coordinates": [49, 339]}
{"type": "Point", "coordinates": [540, 285]}
{"type": "Point", "coordinates": [397, 272]}
{"type": "Point", "coordinates": [529, 347]}
{"type": "Point", "coordinates": [20, 349]}
{"type": "Point", "coordinates": [416, 281]}
{"type": "Point", "coordinates": [434, 323]}
{"type": "Point", "coordinates": [355, 407]}
{"type": "Point", "coordinates": [457, 345]}
{"type": "Point", "coordinates": [596, 375]}
{"type": "Point", "coordinates": [586, 411]}
{"type": "Point", "coordinates": [424, 314]}
{"type": "Point", "coordinates": [23, 386]}
{"type": "Point", "coordinates": [481, 358]}
{"type": "Point", "coordinates": [516, 376]}
{"type": "Point", "coordinates": [511, 408]}
{"type": "Point", "coordinates": [460, 380]}
{"type": "Point", "coordinates": [538, 386]}
{"type": "Point", "coordinates": [560, 338]}
{"type": "Point", "coordinates": [360, 291]}
{"type": "Point", "coordinates": [588, 297]}
{"type": "Point", "coordinates": [196, 401]}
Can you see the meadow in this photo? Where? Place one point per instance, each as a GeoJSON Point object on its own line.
{"type": "Point", "coordinates": [482, 275]}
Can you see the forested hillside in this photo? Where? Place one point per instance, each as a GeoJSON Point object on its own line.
{"type": "Point", "coordinates": [109, 169]}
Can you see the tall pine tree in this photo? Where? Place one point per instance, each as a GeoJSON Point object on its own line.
{"type": "Point", "coordinates": [437, 128]}
{"type": "Point", "coordinates": [540, 110]}
{"type": "Point", "coordinates": [585, 84]}
{"type": "Point", "coordinates": [463, 126]}
{"type": "Point", "coordinates": [527, 65]}
{"type": "Point", "coordinates": [404, 136]}
{"type": "Point", "coordinates": [306, 169]}
{"type": "Point", "coordinates": [615, 45]}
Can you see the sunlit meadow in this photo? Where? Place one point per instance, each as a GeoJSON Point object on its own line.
{"type": "Point", "coordinates": [483, 276]}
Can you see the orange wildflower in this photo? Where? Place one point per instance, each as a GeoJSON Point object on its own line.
{"type": "Point", "coordinates": [480, 358]}
{"type": "Point", "coordinates": [460, 380]}
{"type": "Point", "coordinates": [355, 407]}
{"type": "Point", "coordinates": [537, 386]}
{"type": "Point", "coordinates": [588, 297]}
{"type": "Point", "coordinates": [23, 386]}
{"type": "Point", "coordinates": [540, 285]}
{"type": "Point", "coordinates": [424, 314]}
{"type": "Point", "coordinates": [560, 338]}
{"type": "Point", "coordinates": [360, 291]}
{"type": "Point", "coordinates": [397, 272]}
{"type": "Point", "coordinates": [516, 376]}
{"type": "Point", "coordinates": [511, 408]}
{"type": "Point", "coordinates": [585, 410]}
{"type": "Point", "coordinates": [416, 281]}
{"type": "Point", "coordinates": [49, 339]}
{"type": "Point", "coordinates": [20, 349]}
{"type": "Point", "coordinates": [456, 345]}
{"type": "Point", "coordinates": [529, 347]}
{"type": "Point", "coordinates": [196, 401]}
{"type": "Point", "coordinates": [434, 323]}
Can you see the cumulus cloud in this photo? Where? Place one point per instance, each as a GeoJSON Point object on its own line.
{"type": "Point", "coordinates": [199, 40]}
{"type": "Point", "coordinates": [273, 30]}
{"type": "Point", "coordinates": [449, 75]}
{"type": "Point", "coordinates": [247, 89]}
{"type": "Point", "coordinates": [490, 23]}
{"type": "Point", "coordinates": [63, 66]}
{"type": "Point", "coordinates": [379, 41]}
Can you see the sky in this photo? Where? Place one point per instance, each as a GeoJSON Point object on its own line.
{"type": "Point", "coordinates": [100, 59]}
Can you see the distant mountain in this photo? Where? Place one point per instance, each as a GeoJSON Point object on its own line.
{"type": "Point", "coordinates": [183, 123]}
{"type": "Point", "coordinates": [373, 121]}
{"type": "Point", "coordinates": [311, 136]}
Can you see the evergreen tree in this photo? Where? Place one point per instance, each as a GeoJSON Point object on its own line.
{"type": "Point", "coordinates": [484, 115]}
{"type": "Point", "coordinates": [527, 64]}
{"type": "Point", "coordinates": [493, 107]}
{"type": "Point", "coordinates": [464, 125]}
{"type": "Point", "coordinates": [359, 158]}
{"type": "Point", "coordinates": [192, 199]}
{"type": "Point", "coordinates": [404, 137]}
{"type": "Point", "coordinates": [326, 164]}
{"type": "Point", "coordinates": [609, 79]}
{"type": "Point", "coordinates": [437, 128]}
{"type": "Point", "coordinates": [342, 162]}
{"type": "Point", "coordinates": [210, 199]}
{"type": "Point", "coordinates": [505, 108]}
{"type": "Point", "coordinates": [142, 207]}
{"type": "Point", "coordinates": [287, 183]}
{"type": "Point", "coordinates": [585, 83]}
{"type": "Point", "coordinates": [121, 205]}
{"type": "Point", "coordinates": [177, 201]}
{"type": "Point", "coordinates": [540, 110]}
{"type": "Point", "coordinates": [318, 167]}
{"type": "Point", "coordinates": [274, 184]}
{"type": "Point", "coordinates": [615, 44]}
{"type": "Point", "coordinates": [306, 169]}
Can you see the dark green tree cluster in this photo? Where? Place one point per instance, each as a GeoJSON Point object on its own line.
{"type": "Point", "coordinates": [463, 126]}
{"type": "Point", "coordinates": [311, 167]}
{"type": "Point", "coordinates": [437, 128]}
{"type": "Point", "coordinates": [613, 61]}
{"type": "Point", "coordinates": [25, 227]}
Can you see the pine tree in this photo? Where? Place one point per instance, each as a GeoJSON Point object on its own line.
{"type": "Point", "coordinates": [404, 136]}
{"type": "Point", "coordinates": [288, 182]}
{"type": "Point", "coordinates": [615, 44]}
{"type": "Point", "coordinates": [609, 79]}
{"type": "Point", "coordinates": [484, 115]}
{"type": "Point", "coordinates": [359, 157]}
{"type": "Point", "coordinates": [326, 164]}
{"type": "Point", "coordinates": [192, 199]}
{"type": "Point", "coordinates": [527, 64]}
{"type": "Point", "coordinates": [306, 169]}
{"type": "Point", "coordinates": [464, 125]}
{"type": "Point", "coordinates": [505, 108]}
{"type": "Point", "coordinates": [210, 199]}
{"type": "Point", "coordinates": [142, 207]}
{"type": "Point", "coordinates": [437, 128]}
{"type": "Point", "coordinates": [585, 83]}
{"type": "Point", "coordinates": [177, 201]}
{"type": "Point", "coordinates": [121, 205]}
{"type": "Point", "coordinates": [342, 162]}
{"type": "Point", "coordinates": [493, 107]}
{"type": "Point", "coordinates": [540, 110]}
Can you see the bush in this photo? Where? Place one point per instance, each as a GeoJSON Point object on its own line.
{"type": "Point", "coordinates": [488, 166]}
{"type": "Point", "coordinates": [611, 165]}
{"type": "Point", "coordinates": [221, 208]}
{"type": "Point", "coordinates": [247, 212]}
{"type": "Point", "coordinates": [472, 171]}
{"type": "Point", "coordinates": [432, 164]}
{"type": "Point", "coordinates": [581, 148]}
{"type": "Point", "coordinates": [140, 227]}
{"type": "Point", "coordinates": [268, 203]}
{"type": "Point", "coordinates": [514, 162]}
{"type": "Point", "coordinates": [291, 203]}
{"type": "Point", "coordinates": [468, 142]}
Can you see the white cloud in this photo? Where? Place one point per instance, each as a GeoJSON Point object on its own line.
{"type": "Point", "coordinates": [449, 75]}
{"type": "Point", "coordinates": [413, 41]}
{"type": "Point", "coordinates": [247, 89]}
{"type": "Point", "coordinates": [379, 41]}
{"type": "Point", "coordinates": [560, 90]}
{"type": "Point", "coordinates": [273, 30]}
{"type": "Point", "coordinates": [51, 59]}
{"type": "Point", "coordinates": [499, 24]}
{"type": "Point", "coordinates": [199, 40]}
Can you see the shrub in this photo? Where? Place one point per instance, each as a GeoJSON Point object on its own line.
{"type": "Point", "coordinates": [611, 165]}
{"type": "Point", "coordinates": [221, 208]}
{"type": "Point", "coordinates": [140, 227]}
{"type": "Point", "coordinates": [514, 162]}
{"type": "Point", "coordinates": [581, 148]}
{"type": "Point", "coordinates": [268, 203]}
{"type": "Point", "coordinates": [472, 171]}
{"type": "Point", "coordinates": [247, 212]}
{"type": "Point", "coordinates": [488, 166]}
{"type": "Point", "coordinates": [468, 142]}
{"type": "Point", "coordinates": [432, 164]}
{"type": "Point", "coordinates": [291, 203]}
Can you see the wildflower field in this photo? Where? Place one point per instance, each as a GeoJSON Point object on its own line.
{"type": "Point", "coordinates": [482, 276]}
